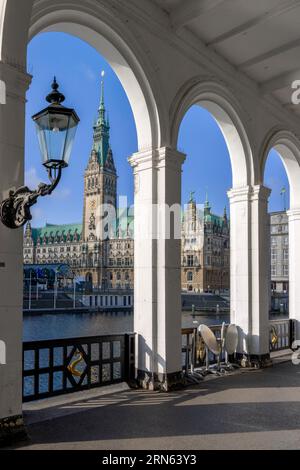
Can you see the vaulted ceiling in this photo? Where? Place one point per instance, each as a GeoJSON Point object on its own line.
{"type": "Point", "coordinates": [261, 38]}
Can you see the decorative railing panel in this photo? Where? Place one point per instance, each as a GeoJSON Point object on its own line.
{"type": "Point", "coordinates": [55, 367]}
{"type": "Point", "coordinates": [282, 334]}
{"type": "Point", "coordinates": [193, 348]}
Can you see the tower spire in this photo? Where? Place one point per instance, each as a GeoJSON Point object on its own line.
{"type": "Point", "coordinates": [102, 105]}
{"type": "Point", "coordinates": [101, 143]}
{"type": "Point", "coordinates": [206, 204]}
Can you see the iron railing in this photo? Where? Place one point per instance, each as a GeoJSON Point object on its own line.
{"type": "Point", "coordinates": [282, 334]}
{"type": "Point", "coordinates": [66, 300]}
{"type": "Point", "coordinates": [55, 367]}
{"type": "Point", "coordinates": [193, 348]}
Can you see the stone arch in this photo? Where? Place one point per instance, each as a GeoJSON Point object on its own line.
{"type": "Point", "coordinates": [287, 145]}
{"type": "Point", "coordinates": [108, 35]}
{"type": "Point", "coordinates": [82, 21]}
{"type": "Point", "coordinates": [226, 111]}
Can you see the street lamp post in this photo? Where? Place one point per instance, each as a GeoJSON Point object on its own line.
{"type": "Point", "coordinates": [56, 128]}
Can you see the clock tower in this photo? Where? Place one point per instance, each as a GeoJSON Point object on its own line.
{"type": "Point", "coordinates": [100, 178]}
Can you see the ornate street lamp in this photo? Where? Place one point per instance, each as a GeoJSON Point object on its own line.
{"type": "Point", "coordinates": [56, 128]}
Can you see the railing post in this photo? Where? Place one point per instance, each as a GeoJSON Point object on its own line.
{"type": "Point", "coordinates": [129, 360]}
{"type": "Point", "coordinates": [187, 351]}
{"type": "Point", "coordinates": [291, 332]}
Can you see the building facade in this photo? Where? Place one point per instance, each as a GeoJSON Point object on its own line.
{"type": "Point", "coordinates": [279, 233]}
{"type": "Point", "coordinates": [205, 251]}
{"type": "Point", "coordinates": [106, 260]}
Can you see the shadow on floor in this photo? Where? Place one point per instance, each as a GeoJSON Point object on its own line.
{"type": "Point", "coordinates": [247, 404]}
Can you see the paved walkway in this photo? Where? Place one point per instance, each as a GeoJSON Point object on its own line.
{"type": "Point", "coordinates": [249, 410]}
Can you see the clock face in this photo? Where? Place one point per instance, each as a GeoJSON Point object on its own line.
{"type": "Point", "coordinates": [93, 204]}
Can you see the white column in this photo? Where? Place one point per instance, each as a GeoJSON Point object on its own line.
{"type": "Point", "coordinates": [261, 275]}
{"type": "Point", "coordinates": [12, 127]}
{"type": "Point", "coordinates": [294, 268]}
{"type": "Point", "coordinates": [240, 264]}
{"type": "Point", "coordinates": [169, 341]}
{"type": "Point", "coordinates": [250, 269]}
{"type": "Point", "coordinates": [157, 291]}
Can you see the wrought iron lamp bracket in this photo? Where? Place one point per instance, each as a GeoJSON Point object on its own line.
{"type": "Point", "coordinates": [15, 210]}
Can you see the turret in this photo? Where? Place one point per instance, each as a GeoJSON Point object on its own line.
{"type": "Point", "coordinates": [28, 232]}
{"type": "Point", "coordinates": [207, 206]}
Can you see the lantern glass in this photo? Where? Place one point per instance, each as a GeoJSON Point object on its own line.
{"type": "Point", "coordinates": [56, 128]}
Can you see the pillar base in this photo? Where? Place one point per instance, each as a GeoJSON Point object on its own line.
{"type": "Point", "coordinates": [257, 361]}
{"type": "Point", "coordinates": [162, 382]}
{"type": "Point", "coordinates": [12, 430]}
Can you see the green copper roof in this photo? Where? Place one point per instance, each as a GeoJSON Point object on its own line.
{"type": "Point", "coordinates": [124, 225]}
{"type": "Point", "coordinates": [51, 230]}
{"type": "Point", "coordinates": [213, 218]}
{"type": "Point", "coordinates": [101, 131]}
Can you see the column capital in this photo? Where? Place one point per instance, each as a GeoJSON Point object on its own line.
{"type": "Point", "coordinates": [249, 193]}
{"type": "Point", "coordinates": [157, 158]}
{"type": "Point", "coordinates": [260, 192]}
{"type": "Point", "coordinates": [241, 194]}
{"type": "Point", "coordinates": [169, 157]}
{"type": "Point", "coordinates": [293, 214]}
{"type": "Point", "coordinates": [16, 80]}
{"type": "Point", "coordinates": [142, 160]}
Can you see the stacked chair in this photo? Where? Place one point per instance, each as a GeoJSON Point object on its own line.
{"type": "Point", "coordinates": [219, 348]}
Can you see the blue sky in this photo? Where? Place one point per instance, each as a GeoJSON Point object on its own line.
{"type": "Point", "coordinates": [78, 67]}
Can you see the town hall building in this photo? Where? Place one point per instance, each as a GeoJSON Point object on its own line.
{"type": "Point", "coordinates": [108, 262]}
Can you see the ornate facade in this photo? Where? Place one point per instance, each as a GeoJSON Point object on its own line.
{"type": "Point", "coordinates": [105, 260]}
{"type": "Point", "coordinates": [205, 252]}
{"type": "Point", "coordinates": [279, 230]}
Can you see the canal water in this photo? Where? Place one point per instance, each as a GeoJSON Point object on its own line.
{"type": "Point", "coordinates": [71, 325]}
